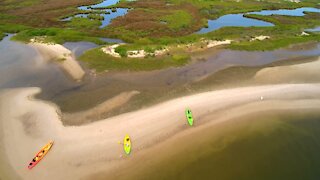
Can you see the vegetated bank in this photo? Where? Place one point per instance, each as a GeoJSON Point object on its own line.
{"type": "Point", "coordinates": [151, 25]}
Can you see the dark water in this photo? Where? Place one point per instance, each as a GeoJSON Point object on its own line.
{"type": "Point", "coordinates": [239, 20]}
{"type": "Point", "coordinates": [108, 14]}
{"type": "Point", "coordinates": [275, 146]}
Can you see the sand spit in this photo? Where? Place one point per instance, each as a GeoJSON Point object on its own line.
{"type": "Point", "coordinates": [84, 150]}
{"type": "Point", "coordinates": [306, 72]}
{"type": "Point", "coordinates": [62, 55]}
{"type": "Point", "coordinates": [105, 107]}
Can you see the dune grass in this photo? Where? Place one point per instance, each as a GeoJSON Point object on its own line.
{"type": "Point", "coordinates": [100, 61]}
{"type": "Point", "coordinates": [56, 35]}
{"type": "Point", "coordinates": [152, 25]}
{"type": "Point", "coordinates": [84, 23]}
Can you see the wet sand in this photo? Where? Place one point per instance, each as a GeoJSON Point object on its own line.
{"type": "Point", "coordinates": [282, 144]}
{"type": "Point", "coordinates": [30, 70]}
{"type": "Point", "coordinates": [81, 151]}
{"type": "Point", "coordinates": [62, 56]}
{"type": "Point", "coordinates": [92, 150]}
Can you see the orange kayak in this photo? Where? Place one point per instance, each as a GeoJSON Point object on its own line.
{"type": "Point", "coordinates": [40, 155]}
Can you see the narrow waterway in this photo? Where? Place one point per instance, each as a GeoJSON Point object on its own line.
{"type": "Point", "coordinates": [21, 66]}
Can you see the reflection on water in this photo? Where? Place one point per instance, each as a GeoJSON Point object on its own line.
{"type": "Point", "coordinates": [233, 20]}
{"type": "Point", "coordinates": [239, 20]}
{"type": "Point", "coordinates": [287, 12]}
{"type": "Point", "coordinates": [103, 4]}
{"type": "Point", "coordinates": [21, 66]}
{"type": "Point", "coordinates": [108, 14]}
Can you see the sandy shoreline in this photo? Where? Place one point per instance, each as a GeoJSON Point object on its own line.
{"type": "Point", "coordinates": [81, 151]}
{"type": "Point", "coordinates": [62, 56]}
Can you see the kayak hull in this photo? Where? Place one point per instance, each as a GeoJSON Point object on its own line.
{"type": "Point", "coordinates": [39, 156]}
{"type": "Point", "coordinates": [189, 116]}
{"type": "Point", "coordinates": [127, 144]}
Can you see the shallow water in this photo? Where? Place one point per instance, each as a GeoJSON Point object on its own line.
{"type": "Point", "coordinates": [316, 29]}
{"type": "Point", "coordinates": [103, 4]}
{"type": "Point", "coordinates": [21, 66]}
{"type": "Point", "coordinates": [108, 14]}
{"type": "Point", "coordinates": [112, 40]}
{"type": "Point", "coordinates": [277, 145]}
{"type": "Point", "coordinates": [287, 12]}
{"type": "Point", "coordinates": [233, 20]}
{"type": "Point", "coordinates": [78, 48]}
{"type": "Point", "coordinates": [238, 19]}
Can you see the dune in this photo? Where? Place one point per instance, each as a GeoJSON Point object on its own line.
{"type": "Point", "coordinates": [28, 124]}
{"type": "Point", "coordinates": [63, 56]}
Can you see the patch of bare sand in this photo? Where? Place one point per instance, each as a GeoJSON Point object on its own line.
{"type": "Point", "coordinates": [81, 151]}
{"type": "Point", "coordinates": [305, 72]}
{"type": "Point", "coordinates": [63, 56]}
{"type": "Point", "coordinates": [105, 107]}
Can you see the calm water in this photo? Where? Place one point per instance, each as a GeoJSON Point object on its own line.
{"type": "Point", "coordinates": [316, 29]}
{"type": "Point", "coordinates": [103, 4]}
{"type": "Point", "coordinates": [108, 14]}
{"type": "Point", "coordinates": [240, 21]}
{"type": "Point", "coordinates": [287, 12]}
{"type": "Point", "coordinates": [79, 48]}
{"type": "Point", "coordinates": [21, 66]}
{"type": "Point", "coordinates": [233, 20]}
{"type": "Point", "coordinates": [112, 40]}
{"type": "Point", "coordinates": [277, 146]}
{"type": "Point", "coordinates": [273, 146]}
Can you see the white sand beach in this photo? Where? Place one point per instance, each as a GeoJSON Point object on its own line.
{"type": "Point", "coordinates": [81, 151]}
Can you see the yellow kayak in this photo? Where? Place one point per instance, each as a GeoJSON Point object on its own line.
{"type": "Point", "coordinates": [127, 144]}
{"type": "Point", "coordinates": [40, 155]}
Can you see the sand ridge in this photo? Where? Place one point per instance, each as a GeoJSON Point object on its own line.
{"type": "Point", "coordinates": [94, 147]}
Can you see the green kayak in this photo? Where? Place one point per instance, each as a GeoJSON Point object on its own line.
{"type": "Point", "coordinates": [189, 117]}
